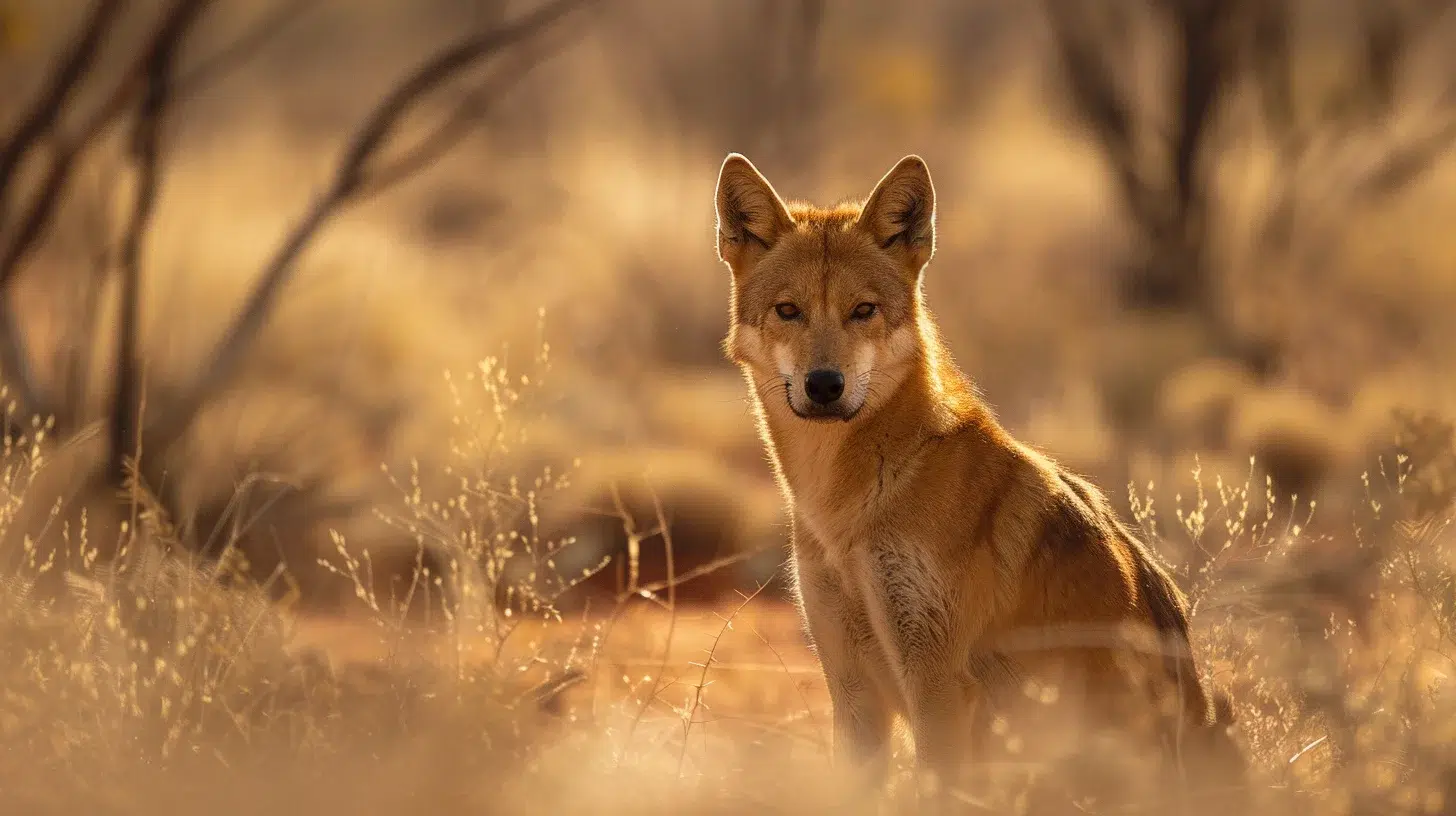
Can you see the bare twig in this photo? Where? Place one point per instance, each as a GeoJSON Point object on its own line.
{"type": "Point", "coordinates": [634, 545]}
{"type": "Point", "coordinates": [667, 549]}
{"type": "Point", "coordinates": [657, 681]}
{"type": "Point", "coordinates": [546, 695]}
{"type": "Point", "coordinates": [703, 570]}
{"type": "Point", "coordinates": [808, 710]}
{"type": "Point", "coordinates": [703, 676]}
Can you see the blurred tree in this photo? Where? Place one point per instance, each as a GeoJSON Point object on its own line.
{"type": "Point", "coordinates": [1159, 141]}
{"type": "Point", "coordinates": [1160, 175]}
{"type": "Point", "coordinates": [1163, 132]}
{"type": "Point", "coordinates": [62, 126]}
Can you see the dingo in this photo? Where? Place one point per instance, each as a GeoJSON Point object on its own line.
{"type": "Point", "coordinates": [932, 552]}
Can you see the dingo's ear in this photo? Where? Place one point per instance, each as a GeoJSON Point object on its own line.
{"type": "Point", "coordinates": [751, 216]}
{"type": "Point", "coordinates": [900, 213]}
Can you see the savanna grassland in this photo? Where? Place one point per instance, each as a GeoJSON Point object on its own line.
{"type": "Point", "coordinates": [473, 517]}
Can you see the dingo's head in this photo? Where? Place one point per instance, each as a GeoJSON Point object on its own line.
{"type": "Point", "coordinates": [825, 302]}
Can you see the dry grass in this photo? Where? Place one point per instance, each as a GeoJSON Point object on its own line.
{"type": "Point", "coordinates": [150, 687]}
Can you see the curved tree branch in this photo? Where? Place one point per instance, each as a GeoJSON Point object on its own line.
{"type": "Point", "coordinates": [351, 176]}
{"type": "Point", "coordinates": [41, 117]}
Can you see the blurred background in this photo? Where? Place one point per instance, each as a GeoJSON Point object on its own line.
{"type": "Point", "coordinates": [1167, 230]}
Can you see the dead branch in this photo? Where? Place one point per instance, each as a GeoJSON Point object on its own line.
{"type": "Point", "coordinates": [284, 14]}
{"type": "Point", "coordinates": [467, 114]}
{"type": "Point", "coordinates": [35, 124]}
{"type": "Point", "coordinates": [65, 154]}
{"type": "Point", "coordinates": [660, 681]}
{"type": "Point", "coordinates": [41, 117]}
{"type": "Point", "coordinates": [650, 590]}
{"type": "Point", "coordinates": [146, 136]}
{"type": "Point", "coordinates": [350, 177]}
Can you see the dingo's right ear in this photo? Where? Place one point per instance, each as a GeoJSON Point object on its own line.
{"type": "Point", "coordinates": [900, 213]}
{"type": "Point", "coordinates": [751, 216]}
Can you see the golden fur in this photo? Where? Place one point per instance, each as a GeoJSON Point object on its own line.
{"type": "Point", "coordinates": [943, 568]}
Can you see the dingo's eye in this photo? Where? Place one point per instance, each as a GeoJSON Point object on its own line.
{"type": "Point", "coordinates": [864, 311]}
{"type": "Point", "coordinates": [787, 311]}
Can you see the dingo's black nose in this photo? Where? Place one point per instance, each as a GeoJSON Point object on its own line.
{"type": "Point", "coordinates": [824, 386]}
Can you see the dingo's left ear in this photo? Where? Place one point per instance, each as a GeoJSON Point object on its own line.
{"type": "Point", "coordinates": [751, 216]}
{"type": "Point", "coordinates": [900, 213]}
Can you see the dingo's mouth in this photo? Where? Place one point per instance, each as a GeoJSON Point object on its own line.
{"type": "Point", "coordinates": [825, 416]}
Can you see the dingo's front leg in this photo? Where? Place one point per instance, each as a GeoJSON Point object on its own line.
{"type": "Point", "coordinates": [927, 633]}
{"type": "Point", "coordinates": [854, 667]}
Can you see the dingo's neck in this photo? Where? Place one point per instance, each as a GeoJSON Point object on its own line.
{"type": "Point", "coordinates": [836, 468]}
